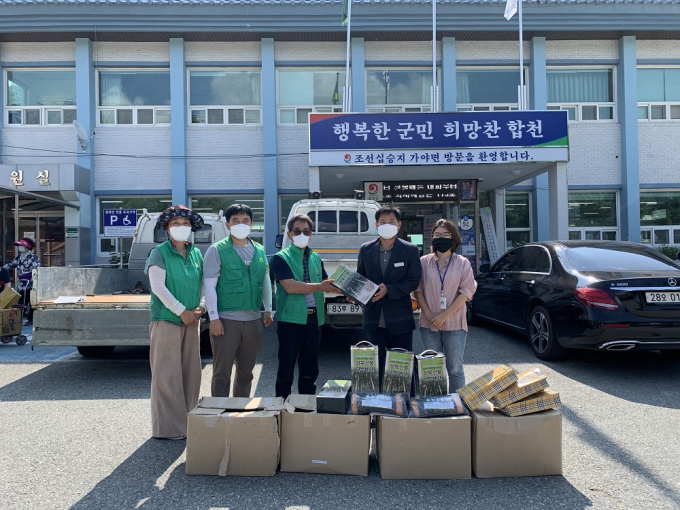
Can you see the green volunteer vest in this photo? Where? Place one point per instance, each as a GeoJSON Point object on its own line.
{"type": "Point", "coordinates": [293, 307]}
{"type": "Point", "coordinates": [239, 287]}
{"type": "Point", "coordinates": [183, 278]}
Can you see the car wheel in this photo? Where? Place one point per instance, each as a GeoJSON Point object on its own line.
{"type": "Point", "coordinates": [542, 337]}
{"type": "Point", "coordinates": [99, 350]}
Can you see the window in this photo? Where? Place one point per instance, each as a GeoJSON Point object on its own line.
{"type": "Point", "coordinates": [517, 219]}
{"type": "Point", "coordinates": [660, 214]}
{"type": "Point", "coordinates": [586, 94]}
{"type": "Point", "coordinates": [108, 245]}
{"type": "Point", "coordinates": [286, 203]}
{"type": "Point", "coordinates": [225, 97]}
{"type": "Point", "coordinates": [507, 262]}
{"type": "Point", "coordinates": [535, 259]}
{"type": "Point", "coordinates": [303, 92]}
{"type": "Point", "coordinates": [398, 90]}
{"type": "Point", "coordinates": [214, 204]}
{"type": "Point", "coordinates": [487, 89]}
{"type": "Point", "coordinates": [133, 98]}
{"type": "Point", "coordinates": [658, 93]}
{"type": "Point", "coordinates": [40, 98]}
{"type": "Point", "coordinates": [328, 221]}
{"type": "Point", "coordinates": [593, 216]}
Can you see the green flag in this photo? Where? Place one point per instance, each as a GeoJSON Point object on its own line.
{"type": "Point", "coordinates": [336, 96]}
{"type": "Point", "coordinates": [345, 8]}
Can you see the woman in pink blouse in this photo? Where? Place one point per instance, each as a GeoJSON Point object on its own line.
{"type": "Point", "coordinates": [447, 283]}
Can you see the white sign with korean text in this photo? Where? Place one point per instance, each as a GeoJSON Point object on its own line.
{"type": "Point", "coordinates": [489, 233]}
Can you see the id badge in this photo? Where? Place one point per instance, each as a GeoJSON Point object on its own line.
{"type": "Point", "coordinates": [442, 303]}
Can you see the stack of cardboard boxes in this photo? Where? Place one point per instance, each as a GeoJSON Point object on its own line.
{"type": "Point", "coordinates": [311, 434]}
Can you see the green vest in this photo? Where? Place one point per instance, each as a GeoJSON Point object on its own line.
{"type": "Point", "coordinates": [183, 278]}
{"type": "Point", "coordinates": [293, 307]}
{"type": "Point", "coordinates": [239, 286]}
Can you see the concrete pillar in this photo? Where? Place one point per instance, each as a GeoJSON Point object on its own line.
{"type": "Point", "coordinates": [83, 250]}
{"type": "Point", "coordinates": [448, 74]}
{"type": "Point", "coordinates": [358, 75]}
{"type": "Point", "coordinates": [559, 202]}
{"type": "Point", "coordinates": [538, 100]}
{"type": "Point", "coordinates": [626, 103]}
{"type": "Point", "coordinates": [271, 200]}
{"type": "Point", "coordinates": [178, 127]}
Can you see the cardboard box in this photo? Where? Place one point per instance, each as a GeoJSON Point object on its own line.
{"type": "Point", "coordinates": [10, 322]}
{"type": "Point", "coordinates": [336, 444]}
{"type": "Point", "coordinates": [334, 397]}
{"type": "Point", "coordinates": [523, 446]}
{"type": "Point", "coordinates": [234, 437]}
{"type": "Point", "coordinates": [424, 448]}
{"type": "Point", "coordinates": [8, 297]}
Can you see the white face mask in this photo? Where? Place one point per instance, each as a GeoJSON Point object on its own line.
{"type": "Point", "coordinates": [21, 249]}
{"type": "Point", "coordinates": [387, 231]}
{"type": "Point", "coordinates": [240, 231]}
{"type": "Point", "coordinates": [301, 241]}
{"type": "Point", "coordinates": [180, 234]}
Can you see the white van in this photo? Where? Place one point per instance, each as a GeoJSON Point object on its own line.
{"type": "Point", "coordinates": [341, 226]}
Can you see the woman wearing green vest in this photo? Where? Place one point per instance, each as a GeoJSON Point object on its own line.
{"type": "Point", "coordinates": [175, 270]}
{"type": "Point", "coordinates": [300, 284]}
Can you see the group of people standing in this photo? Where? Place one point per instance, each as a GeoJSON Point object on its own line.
{"type": "Point", "coordinates": [232, 284]}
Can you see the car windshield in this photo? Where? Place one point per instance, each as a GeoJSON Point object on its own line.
{"type": "Point", "coordinates": [590, 258]}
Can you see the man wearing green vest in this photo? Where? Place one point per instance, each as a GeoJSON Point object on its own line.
{"type": "Point", "coordinates": [237, 284]}
{"type": "Point", "coordinates": [175, 269]}
{"type": "Point", "coordinates": [301, 283]}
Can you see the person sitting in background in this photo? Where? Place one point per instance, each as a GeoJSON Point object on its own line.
{"type": "Point", "coordinates": [25, 262]}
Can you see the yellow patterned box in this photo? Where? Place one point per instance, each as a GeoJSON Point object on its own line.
{"type": "Point", "coordinates": [528, 383]}
{"type": "Point", "coordinates": [487, 386]}
{"type": "Point", "coordinates": [547, 399]}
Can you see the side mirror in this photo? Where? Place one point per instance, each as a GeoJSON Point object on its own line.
{"type": "Point", "coordinates": [279, 241]}
{"type": "Point", "coordinates": [484, 268]}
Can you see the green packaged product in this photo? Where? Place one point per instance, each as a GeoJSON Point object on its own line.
{"type": "Point", "coordinates": [398, 371]}
{"type": "Point", "coordinates": [433, 379]}
{"type": "Point", "coordinates": [365, 375]}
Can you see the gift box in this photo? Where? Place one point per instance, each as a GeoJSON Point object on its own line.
{"type": "Point", "coordinates": [487, 386]}
{"type": "Point", "coordinates": [528, 383]}
{"type": "Point", "coordinates": [547, 399]}
{"type": "Point", "coordinates": [334, 397]}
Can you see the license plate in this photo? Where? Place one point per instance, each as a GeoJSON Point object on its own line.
{"type": "Point", "coordinates": [343, 309]}
{"type": "Point", "coordinates": [663, 297]}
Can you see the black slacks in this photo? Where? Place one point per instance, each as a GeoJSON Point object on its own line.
{"type": "Point", "coordinates": [298, 343]}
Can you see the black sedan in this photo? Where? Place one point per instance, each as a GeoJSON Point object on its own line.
{"type": "Point", "coordinates": [607, 295]}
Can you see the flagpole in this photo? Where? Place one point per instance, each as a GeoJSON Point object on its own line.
{"type": "Point", "coordinates": [433, 92]}
{"type": "Point", "coordinates": [522, 93]}
{"type": "Point", "coordinates": [346, 107]}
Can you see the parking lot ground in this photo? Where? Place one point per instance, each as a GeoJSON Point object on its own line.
{"type": "Point", "coordinates": [75, 433]}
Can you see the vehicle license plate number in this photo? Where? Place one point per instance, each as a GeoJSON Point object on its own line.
{"type": "Point", "coordinates": [342, 309]}
{"type": "Point", "coordinates": [663, 297]}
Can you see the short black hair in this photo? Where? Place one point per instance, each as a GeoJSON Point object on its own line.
{"type": "Point", "coordinates": [234, 209]}
{"type": "Point", "coordinates": [300, 217]}
{"type": "Point", "coordinates": [388, 209]}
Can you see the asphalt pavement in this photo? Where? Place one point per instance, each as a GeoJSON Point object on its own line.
{"type": "Point", "coordinates": [75, 433]}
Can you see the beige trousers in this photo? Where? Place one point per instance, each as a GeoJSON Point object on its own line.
{"type": "Point", "coordinates": [240, 343]}
{"type": "Point", "coordinates": [175, 376]}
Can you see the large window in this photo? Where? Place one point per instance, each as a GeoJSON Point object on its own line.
{"type": "Point", "coordinates": [593, 216]}
{"type": "Point", "coordinates": [586, 94]}
{"type": "Point", "coordinates": [225, 97]}
{"type": "Point", "coordinates": [303, 92]}
{"type": "Point", "coordinates": [660, 217]}
{"type": "Point", "coordinates": [398, 90]}
{"type": "Point", "coordinates": [517, 219]}
{"type": "Point", "coordinates": [152, 204]}
{"type": "Point", "coordinates": [658, 93]}
{"type": "Point", "coordinates": [134, 97]}
{"type": "Point", "coordinates": [486, 89]}
{"type": "Point", "coordinates": [40, 98]}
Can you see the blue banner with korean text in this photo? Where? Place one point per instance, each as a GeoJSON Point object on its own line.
{"type": "Point", "coordinates": [425, 138]}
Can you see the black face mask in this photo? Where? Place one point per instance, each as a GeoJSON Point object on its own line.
{"type": "Point", "coordinates": [442, 245]}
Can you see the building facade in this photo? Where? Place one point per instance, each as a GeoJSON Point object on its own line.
{"type": "Point", "coordinates": [206, 103]}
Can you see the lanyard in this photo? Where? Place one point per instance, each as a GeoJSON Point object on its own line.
{"type": "Point", "coordinates": [442, 276]}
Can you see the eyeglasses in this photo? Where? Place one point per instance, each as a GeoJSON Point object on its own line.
{"type": "Point", "coordinates": [438, 235]}
{"type": "Point", "coordinates": [297, 232]}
